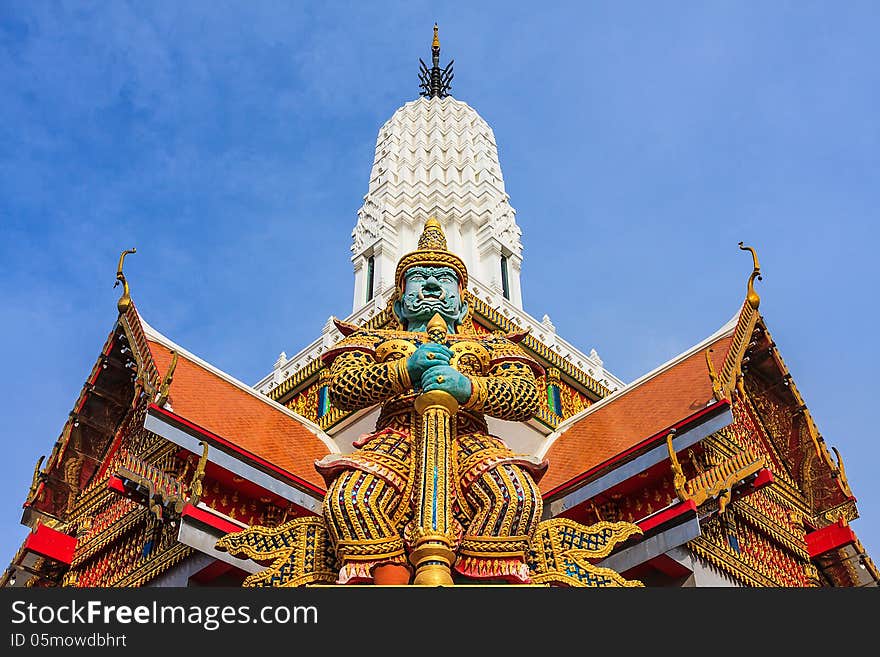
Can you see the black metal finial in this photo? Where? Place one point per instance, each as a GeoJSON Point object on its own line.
{"type": "Point", "coordinates": [435, 82]}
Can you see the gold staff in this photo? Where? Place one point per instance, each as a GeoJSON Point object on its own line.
{"type": "Point", "coordinates": [432, 554]}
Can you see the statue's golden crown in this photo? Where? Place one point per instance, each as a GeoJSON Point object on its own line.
{"type": "Point", "coordinates": [431, 252]}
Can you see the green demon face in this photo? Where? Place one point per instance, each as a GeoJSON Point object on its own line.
{"type": "Point", "coordinates": [430, 290]}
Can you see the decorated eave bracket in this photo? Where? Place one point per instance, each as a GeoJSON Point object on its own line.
{"type": "Point", "coordinates": [835, 465]}
{"type": "Point", "coordinates": [740, 474]}
{"type": "Point", "coordinates": [164, 495]}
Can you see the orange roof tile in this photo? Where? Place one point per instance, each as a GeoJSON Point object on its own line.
{"type": "Point", "coordinates": [634, 414]}
{"type": "Point", "coordinates": [255, 426]}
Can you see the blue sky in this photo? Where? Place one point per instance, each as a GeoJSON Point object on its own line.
{"type": "Point", "coordinates": [231, 143]}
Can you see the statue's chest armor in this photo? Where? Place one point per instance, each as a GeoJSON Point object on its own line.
{"type": "Point", "coordinates": [470, 357]}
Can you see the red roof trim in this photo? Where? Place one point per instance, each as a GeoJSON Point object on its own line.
{"type": "Point", "coordinates": [115, 484]}
{"type": "Point", "coordinates": [764, 478]}
{"type": "Point", "coordinates": [51, 543]}
{"type": "Point", "coordinates": [210, 519]}
{"type": "Point", "coordinates": [177, 419]}
{"type": "Point", "coordinates": [692, 419]}
{"type": "Point", "coordinates": [664, 516]}
{"type": "Point", "coordinates": [829, 538]}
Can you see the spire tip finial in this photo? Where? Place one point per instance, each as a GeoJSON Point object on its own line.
{"type": "Point", "coordinates": [435, 82]}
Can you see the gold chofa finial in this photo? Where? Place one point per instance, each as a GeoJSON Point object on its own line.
{"type": "Point", "coordinates": [432, 236]}
{"type": "Point", "coordinates": [125, 300]}
{"type": "Point", "coordinates": [752, 296]}
{"type": "Point", "coordinates": [436, 42]}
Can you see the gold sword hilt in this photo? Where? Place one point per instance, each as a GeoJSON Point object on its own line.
{"type": "Point", "coordinates": [433, 553]}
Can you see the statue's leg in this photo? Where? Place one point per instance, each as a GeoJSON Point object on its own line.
{"type": "Point", "coordinates": [506, 508]}
{"type": "Point", "coordinates": [357, 511]}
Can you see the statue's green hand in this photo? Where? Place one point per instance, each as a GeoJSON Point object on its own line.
{"type": "Point", "coordinates": [448, 379]}
{"type": "Point", "coordinates": [427, 355]}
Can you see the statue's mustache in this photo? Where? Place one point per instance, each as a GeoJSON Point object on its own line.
{"type": "Point", "coordinates": [421, 300]}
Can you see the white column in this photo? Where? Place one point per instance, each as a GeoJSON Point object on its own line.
{"type": "Point", "coordinates": [489, 253]}
{"type": "Point", "coordinates": [514, 269]}
{"type": "Point", "coordinates": [385, 254]}
{"type": "Point", "coordinates": [359, 262]}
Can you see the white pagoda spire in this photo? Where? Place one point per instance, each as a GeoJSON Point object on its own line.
{"type": "Point", "coordinates": [436, 157]}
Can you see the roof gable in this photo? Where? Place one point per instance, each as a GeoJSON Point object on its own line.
{"type": "Point", "coordinates": [644, 409]}
{"type": "Point", "coordinates": [235, 412]}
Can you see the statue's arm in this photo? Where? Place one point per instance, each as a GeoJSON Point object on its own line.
{"type": "Point", "coordinates": [358, 381]}
{"type": "Point", "coordinates": [509, 392]}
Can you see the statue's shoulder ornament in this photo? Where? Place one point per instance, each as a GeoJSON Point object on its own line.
{"type": "Point", "coordinates": [505, 348]}
{"type": "Point", "coordinates": [354, 338]}
{"type": "Point", "coordinates": [382, 344]}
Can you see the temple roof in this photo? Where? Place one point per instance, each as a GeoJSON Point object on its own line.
{"type": "Point", "coordinates": [637, 413]}
{"type": "Point", "coordinates": [248, 421]}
